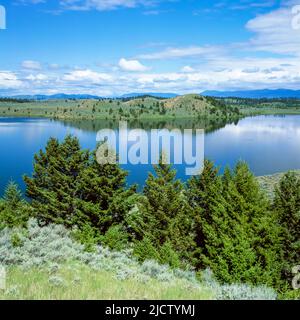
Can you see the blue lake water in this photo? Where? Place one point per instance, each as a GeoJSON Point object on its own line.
{"type": "Point", "coordinates": [269, 144]}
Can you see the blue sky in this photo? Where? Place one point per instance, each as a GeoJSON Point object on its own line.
{"type": "Point", "coordinates": [111, 47]}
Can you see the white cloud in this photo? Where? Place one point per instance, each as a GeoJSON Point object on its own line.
{"type": "Point", "coordinates": [38, 77]}
{"type": "Point", "coordinates": [87, 75]}
{"type": "Point", "coordinates": [132, 65]}
{"type": "Point", "coordinates": [99, 5]}
{"type": "Point", "coordinates": [104, 5]}
{"type": "Point", "coordinates": [171, 53]}
{"type": "Point", "coordinates": [9, 80]}
{"type": "Point", "coordinates": [269, 74]}
{"type": "Point", "coordinates": [274, 31]}
{"type": "Point", "coordinates": [187, 69]}
{"type": "Point", "coordinates": [31, 1]}
{"type": "Point", "coordinates": [246, 5]}
{"type": "Point", "coordinates": [31, 65]}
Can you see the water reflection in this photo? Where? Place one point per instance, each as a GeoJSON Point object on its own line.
{"type": "Point", "coordinates": [268, 143]}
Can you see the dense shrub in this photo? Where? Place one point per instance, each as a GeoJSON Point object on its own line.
{"type": "Point", "coordinates": [237, 291]}
{"type": "Point", "coordinates": [116, 238]}
{"type": "Point", "coordinates": [37, 246]}
{"type": "Point", "coordinates": [53, 244]}
{"type": "Point", "coordinates": [50, 246]}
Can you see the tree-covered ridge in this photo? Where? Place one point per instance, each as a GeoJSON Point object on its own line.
{"type": "Point", "coordinates": [190, 106]}
{"type": "Point", "coordinates": [225, 223]}
{"type": "Point", "coordinates": [144, 107]}
{"type": "Point", "coordinates": [248, 106]}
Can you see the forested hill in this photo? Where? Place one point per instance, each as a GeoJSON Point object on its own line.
{"type": "Point", "coordinates": [145, 107]}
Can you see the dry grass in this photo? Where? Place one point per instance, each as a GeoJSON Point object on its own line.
{"type": "Point", "coordinates": [77, 281]}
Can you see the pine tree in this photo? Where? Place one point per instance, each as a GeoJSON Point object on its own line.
{"type": "Point", "coordinates": [262, 226]}
{"type": "Point", "coordinates": [205, 196]}
{"type": "Point", "coordinates": [14, 210]}
{"type": "Point", "coordinates": [287, 208]}
{"type": "Point", "coordinates": [236, 234]}
{"type": "Point", "coordinates": [69, 187]}
{"type": "Point", "coordinates": [103, 189]}
{"type": "Point", "coordinates": [165, 213]}
{"type": "Point", "coordinates": [257, 229]}
{"type": "Point", "coordinates": [13, 195]}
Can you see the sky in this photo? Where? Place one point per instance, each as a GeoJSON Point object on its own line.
{"type": "Point", "coordinates": [114, 47]}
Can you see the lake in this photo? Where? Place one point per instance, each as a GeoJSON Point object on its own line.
{"type": "Point", "coordinates": [269, 144]}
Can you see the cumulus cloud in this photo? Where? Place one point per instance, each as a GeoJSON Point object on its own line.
{"type": "Point", "coordinates": [187, 69]}
{"type": "Point", "coordinates": [87, 75]}
{"type": "Point", "coordinates": [270, 74]}
{"type": "Point", "coordinates": [132, 65]}
{"type": "Point", "coordinates": [9, 80]}
{"type": "Point", "coordinates": [274, 31]}
{"type": "Point", "coordinates": [37, 77]}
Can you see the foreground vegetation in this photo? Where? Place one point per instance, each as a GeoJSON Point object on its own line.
{"type": "Point", "coordinates": [45, 263]}
{"type": "Point", "coordinates": [223, 223]}
{"type": "Point", "coordinates": [79, 282]}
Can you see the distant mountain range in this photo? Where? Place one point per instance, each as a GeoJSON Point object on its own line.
{"type": "Point", "coordinates": [251, 94]}
{"type": "Point", "coordinates": [255, 94]}
{"type": "Point", "coordinates": [59, 96]}
{"type": "Point", "coordinates": [62, 96]}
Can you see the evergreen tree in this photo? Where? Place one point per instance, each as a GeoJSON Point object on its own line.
{"type": "Point", "coordinates": [165, 214]}
{"type": "Point", "coordinates": [236, 235]}
{"type": "Point", "coordinates": [256, 229]}
{"type": "Point", "coordinates": [287, 208]}
{"type": "Point", "coordinates": [261, 225]}
{"type": "Point", "coordinates": [205, 196]}
{"type": "Point", "coordinates": [14, 211]}
{"type": "Point", "coordinates": [70, 187]}
{"type": "Point", "coordinates": [13, 196]}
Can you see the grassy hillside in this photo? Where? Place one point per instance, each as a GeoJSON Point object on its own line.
{"type": "Point", "coordinates": [264, 106]}
{"type": "Point", "coordinates": [189, 106]}
{"type": "Point", "coordinates": [78, 281]}
{"type": "Point", "coordinates": [46, 263]}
